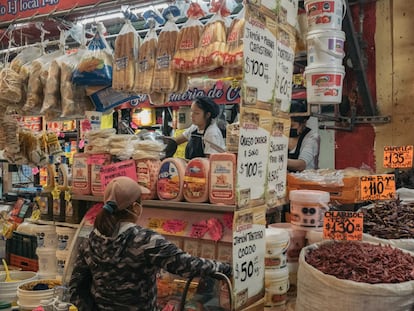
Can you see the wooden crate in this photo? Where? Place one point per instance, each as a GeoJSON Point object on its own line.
{"type": "Point", "coordinates": [347, 193]}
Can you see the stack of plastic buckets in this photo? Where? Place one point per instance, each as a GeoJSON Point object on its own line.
{"type": "Point", "coordinates": [325, 51]}
{"type": "Point", "coordinates": [46, 251]}
{"type": "Point", "coordinates": [65, 237]}
{"type": "Point", "coordinates": [276, 270]}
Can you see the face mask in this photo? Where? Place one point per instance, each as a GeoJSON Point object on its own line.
{"type": "Point", "coordinates": [293, 133]}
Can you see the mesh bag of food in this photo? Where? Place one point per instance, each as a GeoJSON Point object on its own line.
{"type": "Point", "coordinates": [233, 56]}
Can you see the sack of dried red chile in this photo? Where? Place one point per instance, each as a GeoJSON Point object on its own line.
{"type": "Point", "coordinates": [355, 276]}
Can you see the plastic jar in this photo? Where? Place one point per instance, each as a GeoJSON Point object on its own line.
{"type": "Point", "coordinates": [307, 207]}
{"type": "Point", "coordinates": [276, 286]}
{"type": "Point", "coordinates": [277, 242]}
{"type": "Point", "coordinates": [46, 236]}
{"type": "Point", "coordinates": [65, 236]}
{"type": "Point", "coordinates": [297, 240]}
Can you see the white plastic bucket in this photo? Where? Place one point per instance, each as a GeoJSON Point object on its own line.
{"type": "Point", "coordinates": [65, 236]}
{"type": "Point", "coordinates": [47, 260]}
{"type": "Point", "coordinates": [276, 286]}
{"type": "Point", "coordinates": [307, 207]}
{"type": "Point", "coordinates": [46, 236]}
{"type": "Point", "coordinates": [324, 84]}
{"type": "Point", "coordinates": [325, 47]}
{"type": "Point", "coordinates": [297, 240]}
{"type": "Point", "coordinates": [28, 298]}
{"type": "Point", "coordinates": [8, 290]}
{"type": "Point", "coordinates": [325, 14]}
{"type": "Point", "coordinates": [61, 258]}
{"type": "Point", "coordinates": [277, 243]}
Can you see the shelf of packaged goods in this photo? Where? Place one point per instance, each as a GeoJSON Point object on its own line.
{"type": "Point", "coordinates": [187, 206]}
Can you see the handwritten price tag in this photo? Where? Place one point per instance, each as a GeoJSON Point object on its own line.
{"type": "Point", "coordinates": [343, 226]}
{"type": "Point", "coordinates": [259, 56]}
{"type": "Point", "coordinates": [398, 157]}
{"type": "Point", "coordinates": [252, 161]}
{"type": "Point", "coordinates": [377, 187]}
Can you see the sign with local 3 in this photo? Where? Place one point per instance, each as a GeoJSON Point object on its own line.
{"type": "Point", "coordinates": [249, 247]}
{"type": "Point", "coordinates": [343, 225]}
{"type": "Point", "coordinates": [253, 155]}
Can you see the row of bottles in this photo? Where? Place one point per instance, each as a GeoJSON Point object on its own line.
{"type": "Point", "coordinates": [54, 198]}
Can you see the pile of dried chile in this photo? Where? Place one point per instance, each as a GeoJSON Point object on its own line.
{"type": "Point", "coordinates": [390, 220]}
{"type": "Point", "coordinates": [362, 262]}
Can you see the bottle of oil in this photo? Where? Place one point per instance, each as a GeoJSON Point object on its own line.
{"type": "Point", "coordinates": [45, 198]}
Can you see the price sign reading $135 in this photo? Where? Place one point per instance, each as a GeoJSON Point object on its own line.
{"type": "Point", "coordinates": [341, 225]}
{"type": "Point", "coordinates": [398, 157]}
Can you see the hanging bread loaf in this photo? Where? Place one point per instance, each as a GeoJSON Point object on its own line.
{"type": "Point", "coordinates": [212, 44]}
{"type": "Point", "coordinates": [144, 70]}
{"type": "Point", "coordinates": [125, 54]}
{"type": "Point", "coordinates": [165, 79]}
{"type": "Point", "coordinates": [233, 57]}
{"type": "Point", "coordinates": [188, 41]}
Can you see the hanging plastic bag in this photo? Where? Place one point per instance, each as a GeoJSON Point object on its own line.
{"type": "Point", "coordinates": [144, 72]}
{"type": "Point", "coordinates": [165, 79]}
{"type": "Point", "coordinates": [213, 39]}
{"type": "Point", "coordinates": [233, 57]}
{"type": "Point", "coordinates": [95, 68]}
{"type": "Point", "coordinates": [125, 54]}
{"type": "Point", "coordinates": [188, 39]}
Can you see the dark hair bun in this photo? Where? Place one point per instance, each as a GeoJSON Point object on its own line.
{"type": "Point", "coordinates": [208, 105]}
{"type": "Point", "coordinates": [298, 105]}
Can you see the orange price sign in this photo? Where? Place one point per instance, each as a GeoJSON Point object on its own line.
{"type": "Point", "coordinates": [343, 226]}
{"type": "Point", "coordinates": [398, 157]}
{"type": "Point", "coordinates": [377, 187]}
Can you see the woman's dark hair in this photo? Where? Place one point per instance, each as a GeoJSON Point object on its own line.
{"type": "Point", "coordinates": [208, 105]}
{"type": "Point", "coordinates": [108, 223]}
{"type": "Point", "coordinates": [299, 106]}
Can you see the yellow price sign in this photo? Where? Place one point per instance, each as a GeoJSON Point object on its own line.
{"type": "Point", "coordinates": [398, 157]}
{"type": "Point", "coordinates": [377, 187]}
{"type": "Point", "coordinates": [343, 226]}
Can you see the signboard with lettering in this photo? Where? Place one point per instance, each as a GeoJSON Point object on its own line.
{"type": "Point", "coordinates": [124, 168]}
{"type": "Point", "coordinates": [252, 157]}
{"type": "Point", "coordinates": [342, 225]}
{"type": "Point", "coordinates": [15, 9]}
{"type": "Point", "coordinates": [377, 187]}
{"type": "Point", "coordinates": [398, 157]}
{"type": "Point", "coordinates": [259, 61]}
{"type": "Point", "coordinates": [249, 244]}
{"type": "Point", "coordinates": [277, 163]}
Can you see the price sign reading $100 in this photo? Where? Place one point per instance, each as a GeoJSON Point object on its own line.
{"type": "Point", "coordinates": [398, 157]}
{"type": "Point", "coordinates": [377, 187]}
{"type": "Point", "coordinates": [259, 56]}
{"type": "Point", "coordinates": [252, 160]}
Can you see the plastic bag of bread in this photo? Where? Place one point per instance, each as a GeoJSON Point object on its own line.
{"type": "Point", "coordinates": [125, 55]}
{"type": "Point", "coordinates": [165, 78]}
{"type": "Point", "coordinates": [36, 82]}
{"type": "Point", "coordinates": [233, 56]}
{"type": "Point", "coordinates": [24, 57]}
{"type": "Point", "coordinates": [10, 86]}
{"type": "Point", "coordinates": [95, 67]}
{"type": "Point", "coordinates": [145, 65]}
{"type": "Point", "coordinates": [212, 43]}
{"type": "Point", "coordinates": [188, 40]}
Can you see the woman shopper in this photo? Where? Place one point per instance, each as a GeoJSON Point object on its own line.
{"type": "Point", "coordinates": [117, 266]}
